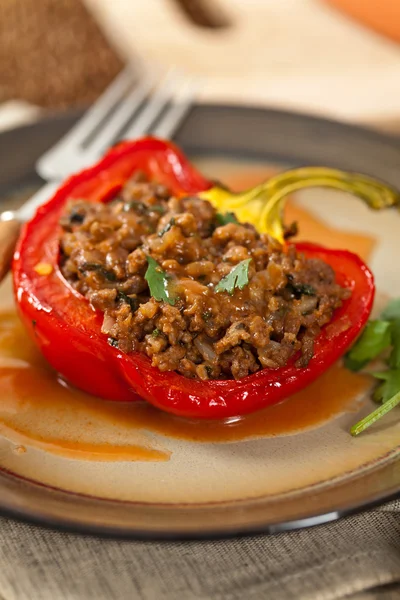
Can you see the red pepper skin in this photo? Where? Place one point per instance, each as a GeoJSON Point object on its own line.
{"type": "Point", "coordinates": [68, 331]}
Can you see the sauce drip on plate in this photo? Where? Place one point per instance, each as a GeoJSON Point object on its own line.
{"type": "Point", "coordinates": [37, 409]}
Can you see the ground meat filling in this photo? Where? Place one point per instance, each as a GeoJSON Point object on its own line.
{"type": "Point", "coordinates": [205, 334]}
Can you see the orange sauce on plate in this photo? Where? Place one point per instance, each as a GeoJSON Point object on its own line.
{"type": "Point", "coordinates": [39, 410]}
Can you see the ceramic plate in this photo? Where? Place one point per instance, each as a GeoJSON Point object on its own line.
{"type": "Point", "coordinates": [72, 461]}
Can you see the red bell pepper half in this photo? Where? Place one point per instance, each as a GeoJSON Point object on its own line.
{"type": "Point", "coordinates": [68, 331]}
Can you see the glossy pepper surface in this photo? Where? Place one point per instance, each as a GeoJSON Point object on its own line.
{"type": "Point", "coordinates": [68, 331]}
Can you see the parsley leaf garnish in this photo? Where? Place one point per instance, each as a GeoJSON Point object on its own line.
{"type": "Point", "coordinates": [392, 311]}
{"type": "Point", "coordinates": [140, 207]}
{"type": "Point", "coordinates": [225, 218]}
{"type": "Point", "coordinates": [106, 273]}
{"type": "Point", "coordinates": [301, 289]}
{"type": "Point", "coordinates": [392, 314]}
{"type": "Point", "coordinates": [159, 282]}
{"type": "Point", "coordinates": [374, 339]}
{"type": "Point", "coordinates": [395, 355]}
{"type": "Point", "coordinates": [237, 278]}
{"type": "Point", "coordinates": [390, 385]}
{"type": "Point", "coordinates": [167, 227]}
{"type": "Point", "coordinates": [378, 336]}
{"type": "Point", "coordinates": [133, 303]}
{"type": "Point", "coordinates": [376, 415]}
{"type": "Point", "coordinates": [158, 208]}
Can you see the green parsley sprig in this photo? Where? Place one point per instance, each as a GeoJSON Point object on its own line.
{"type": "Point", "coordinates": [225, 218]}
{"type": "Point", "coordinates": [159, 282]}
{"type": "Point", "coordinates": [380, 339]}
{"type": "Point", "coordinates": [237, 278]}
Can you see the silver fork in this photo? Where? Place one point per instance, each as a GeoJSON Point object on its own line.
{"type": "Point", "coordinates": [130, 107]}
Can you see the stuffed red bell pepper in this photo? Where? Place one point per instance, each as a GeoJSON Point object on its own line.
{"type": "Point", "coordinates": [134, 286]}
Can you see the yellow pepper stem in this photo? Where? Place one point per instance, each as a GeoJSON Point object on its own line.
{"type": "Point", "coordinates": [263, 205]}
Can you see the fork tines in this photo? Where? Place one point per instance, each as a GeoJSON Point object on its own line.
{"type": "Point", "coordinates": [131, 107]}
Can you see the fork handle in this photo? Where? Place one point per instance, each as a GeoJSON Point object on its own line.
{"type": "Point", "coordinates": [9, 232]}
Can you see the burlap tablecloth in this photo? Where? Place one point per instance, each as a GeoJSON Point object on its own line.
{"type": "Point", "coordinates": [358, 557]}
{"type": "Point", "coordinates": [329, 562]}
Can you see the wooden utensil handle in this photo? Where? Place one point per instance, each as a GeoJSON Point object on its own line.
{"type": "Point", "coordinates": [9, 231]}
